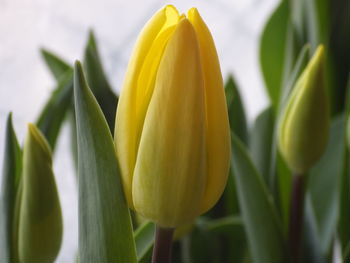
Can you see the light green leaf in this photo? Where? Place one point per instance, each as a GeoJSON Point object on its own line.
{"type": "Point", "coordinates": [262, 225]}
{"type": "Point", "coordinates": [144, 239]}
{"type": "Point", "coordinates": [12, 167]}
{"type": "Point", "coordinates": [236, 113]}
{"type": "Point", "coordinates": [51, 118]}
{"type": "Point", "coordinates": [98, 82]}
{"type": "Point", "coordinates": [105, 232]}
{"type": "Point", "coordinates": [39, 212]}
{"type": "Point", "coordinates": [57, 66]}
{"type": "Point", "coordinates": [272, 50]}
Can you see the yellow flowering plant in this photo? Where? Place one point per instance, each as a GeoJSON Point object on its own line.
{"type": "Point", "coordinates": [174, 152]}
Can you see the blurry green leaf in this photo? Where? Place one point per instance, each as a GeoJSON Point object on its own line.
{"type": "Point", "coordinates": [51, 118]}
{"type": "Point", "coordinates": [105, 232]}
{"type": "Point", "coordinates": [272, 50]}
{"type": "Point", "coordinates": [344, 195]}
{"type": "Point", "coordinates": [57, 66]}
{"type": "Point", "coordinates": [40, 219]}
{"type": "Point", "coordinates": [311, 241]}
{"type": "Point", "coordinates": [324, 185]}
{"type": "Point", "coordinates": [144, 239]}
{"type": "Point", "coordinates": [98, 82]}
{"type": "Point", "coordinates": [262, 225]}
{"type": "Point", "coordinates": [12, 167]}
{"type": "Point", "coordinates": [222, 225]}
{"type": "Point", "coordinates": [236, 113]}
{"type": "Point", "coordinates": [261, 138]}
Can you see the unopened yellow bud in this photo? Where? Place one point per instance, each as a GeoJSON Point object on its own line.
{"type": "Point", "coordinates": [172, 130]}
{"type": "Point", "coordinates": [40, 219]}
{"type": "Point", "coordinates": [304, 126]}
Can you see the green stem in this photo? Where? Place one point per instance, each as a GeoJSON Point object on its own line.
{"type": "Point", "coordinates": [296, 217]}
{"type": "Point", "coordinates": [162, 245]}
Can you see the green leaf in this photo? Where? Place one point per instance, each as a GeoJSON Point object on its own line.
{"type": "Point", "coordinates": [105, 232]}
{"type": "Point", "coordinates": [261, 139]}
{"type": "Point", "coordinates": [12, 167]}
{"type": "Point", "coordinates": [39, 212]}
{"type": "Point", "coordinates": [98, 82]}
{"type": "Point", "coordinates": [324, 185]}
{"type": "Point", "coordinates": [262, 225]}
{"type": "Point", "coordinates": [144, 239]}
{"type": "Point", "coordinates": [51, 118]}
{"type": "Point", "coordinates": [272, 50]}
{"type": "Point", "coordinates": [236, 113]}
{"type": "Point", "coordinates": [344, 194]}
{"type": "Point", "coordinates": [57, 66]}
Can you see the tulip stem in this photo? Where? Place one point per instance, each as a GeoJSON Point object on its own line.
{"type": "Point", "coordinates": [296, 217]}
{"type": "Point", "coordinates": [162, 245]}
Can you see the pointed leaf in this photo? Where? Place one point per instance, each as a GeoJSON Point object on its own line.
{"type": "Point", "coordinates": [105, 232]}
{"type": "Point", "coordinates": [11, 172]}
{"type": "Point", "coordinates": [272, 47]}
{"type": "Point", "coordinates": [51, 118]}
{"type": "Point", "coordinates": [98, 82]}
{"type": "Point", "coordinates": [263, 227]}
{"type": "Point", "coordinates": [57, 66]}
{"type": "Point", "coordinates": [236, 113]}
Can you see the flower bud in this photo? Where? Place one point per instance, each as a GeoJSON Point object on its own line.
{"type": "Point", "coordinates": [39, 212]}
{"type": "Point", "coordinates": [172, 130]}
{"type": "Point", "coordinates": [304, 125]}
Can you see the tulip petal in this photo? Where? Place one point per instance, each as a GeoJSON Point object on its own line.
{"type": "Point", "coordinates": [137, 90]}
{"type": "Point", "coordinates": [218, 130]}
{"type": "Point", "coordinates": [173, 138]}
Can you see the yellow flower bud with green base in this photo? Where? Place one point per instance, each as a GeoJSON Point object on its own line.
{"type": "Point", "coordinates": [304, 125]}
{"type": "Point", "coordinates": [38, 211]}
{"type": "Point", "coordinates": [172, 130]}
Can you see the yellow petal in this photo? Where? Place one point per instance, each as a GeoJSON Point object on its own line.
{"type": "Point", "coordinates": [170, 171]}
{"type": "Point", "coordinates": [304, 128]}
{"type": "Point", "coordinates": [218, 130]}
{"type": "Point", "coordinates": [137, 90]}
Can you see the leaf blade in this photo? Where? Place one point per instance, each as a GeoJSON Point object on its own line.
{"type": "Point", "coordinates": [102, 238]}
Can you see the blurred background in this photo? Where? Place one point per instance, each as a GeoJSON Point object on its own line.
{"type": "Point", "coordinates": [62, 27]}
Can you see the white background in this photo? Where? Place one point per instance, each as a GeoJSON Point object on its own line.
{"type": "Point", "coordinates": [62, 25]}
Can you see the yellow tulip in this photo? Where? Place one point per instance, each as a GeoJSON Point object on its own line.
{"type": "Point", "coordinates": [304, 126]}
{"type": "Point", "coordinates": [172, 130]}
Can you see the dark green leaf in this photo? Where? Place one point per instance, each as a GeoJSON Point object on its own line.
{"type": "Point", "coordinates": [344, 196]}
{"type": "Point", "coordinates": [105, 232]}
{"type": "Point", "coordinates": [272, 48]}
{"type": "Point", "coordinates": [261, 138]}
{"type": "Point", "coordinates": [262, 225]}
{"type": "Point", "coordinates": [57, 66]}
{"type": "Point", "coordinates": [324, 185]}
{"type": "Point", "coordinates": [51, 118]}
{"type": "Point", "coordinates": [236, 113]}
{"type": "Point", "coordinates": [144, 239]}
{"type": "Point", "coordinates": [98, 82]}
{"type": "Point", "coordinates": [12, 167]}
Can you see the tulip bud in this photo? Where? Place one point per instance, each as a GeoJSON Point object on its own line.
{"type": "Point", "coordinates": [304, 126]}
{"type": "Point", "coordinates": [172, 130]}
{"type": "Point", "coordinates": [39, 212]}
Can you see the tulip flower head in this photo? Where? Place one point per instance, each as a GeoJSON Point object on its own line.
{"type": "Point", "coordinates": [172, 131]}
{"type": "Point", "coordinates": [304, 126]}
